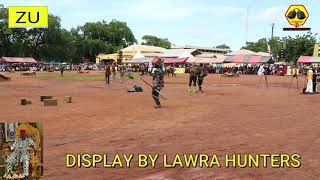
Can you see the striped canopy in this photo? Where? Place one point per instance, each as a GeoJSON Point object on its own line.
{"type": "Point", "coordinates": [18, 60]}
{"type": "Point", "coordinates": [248, 59]}
{"type": "Point", "coordinates": [308, 59]}
{"type": "Point", "coordinates": [174, 60]}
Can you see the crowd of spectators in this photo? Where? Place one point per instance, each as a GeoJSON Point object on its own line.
{"type": "Point", "coordinates": [46, 67]}
{"type": "Point", "coordinates": [239, 69]}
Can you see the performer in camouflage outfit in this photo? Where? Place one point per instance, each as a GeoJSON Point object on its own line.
{"type": "Point", "coordinates": [158, 83]}
{"type": "Point", "coordinates": [20, 153]}
{"type": "Point", "coordinates": [194, 71]}
{"type": "Point", "coordinates": [202, 73]}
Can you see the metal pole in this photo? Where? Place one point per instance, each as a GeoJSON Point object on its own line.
{"type": "Point", "coordinates": [272, 31]}
{"type": "Point", "coordinates": [247, 25]}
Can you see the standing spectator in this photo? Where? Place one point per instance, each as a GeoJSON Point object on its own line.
{"type": "Point", "coordinates": [107, 74]}
{"type": "Point", "coordinates": [122, 70]}
{"type": "Point", "coordinates": [142, 69]}
{"type": "Point", "coordinates": [173, 69]}
{"type": "Point", "coordinates": [113, 70]}
{"type": "Point", "coordinates": [61, 70]}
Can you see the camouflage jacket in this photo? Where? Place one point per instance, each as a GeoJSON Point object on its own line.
{"type": "Point", "coordinates": [20, 150]}
{"type": "Point", "coordinates": [194, 71]}
{"type": "Point", "coordinates": [158, 81]}
{"type": "Point", "coordinates": [202, 73]}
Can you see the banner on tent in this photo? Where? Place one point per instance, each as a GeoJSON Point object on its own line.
{"type": "Point", "coordinates": [180, 70]}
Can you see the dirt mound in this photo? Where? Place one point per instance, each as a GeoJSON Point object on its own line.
{"type": "Point", "coordinates": [4, 78]}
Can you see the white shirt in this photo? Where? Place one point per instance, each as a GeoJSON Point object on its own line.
{"type": "Point", "coordinates": [261, 71]}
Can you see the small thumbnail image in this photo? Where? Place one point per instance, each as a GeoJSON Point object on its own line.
{"type": "Point", "coordinates": [21, 150]}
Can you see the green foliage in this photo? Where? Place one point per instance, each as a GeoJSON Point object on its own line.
{"type": "Point", "coordinates": [72, 76]}
{"type": "Point", "coordinates": [259, 46]}
{"type": "Point", "coordinates": [223, 46]}
{"type": "Point", "coordinates": [155, 41]}
{"type": "Point", "coordinates": [295, 46]}
{"type": "Point", "coordinates": [276, 44]}
{"type": "Point", "coordinates": [300, 46]}
{"type": "Point", "coordinates": [94, 38]}
{"type": "Point", "coordinates": [130, 76]}
{"type": "Point", "coordinates": [56, 43]}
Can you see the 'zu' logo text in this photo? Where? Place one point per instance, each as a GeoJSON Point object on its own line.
{"type": "Point", "coordinates": [28, 16]}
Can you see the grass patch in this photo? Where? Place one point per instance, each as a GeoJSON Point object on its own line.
{"type": "Point", "coordinates": [91, 76]}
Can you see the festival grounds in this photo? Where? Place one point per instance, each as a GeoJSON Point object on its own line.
{"type": "Point", "coordinates": [231, 116]}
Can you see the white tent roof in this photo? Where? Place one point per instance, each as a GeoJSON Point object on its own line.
{"type": "Point", "coordinates": [186, 54]}
{"type": "Point", "coordinates": [143, 49]}
{"type": "Point", "coordinates": [241, 52]}
{"type": "Point", "coordinates": [138, 55]}
{"type": "Point", "coordinates": [263, 54]}
{"type": "Point", "coordinates": [178, 53]}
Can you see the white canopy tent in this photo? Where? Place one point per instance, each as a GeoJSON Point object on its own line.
{"type": "Point", "coordinates": [138, 55]}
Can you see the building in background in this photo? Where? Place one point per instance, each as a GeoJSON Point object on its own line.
{"type": "Point", "coordinates": [203, 50]}
{"type": "Point", "coordinates": [180, 53]}
{"type": "Point", "coordinates": [131, 52]}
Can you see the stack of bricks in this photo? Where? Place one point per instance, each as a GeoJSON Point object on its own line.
{"type": "Point", "coordinates": [50, 102]}
{"type": "Point", "coordinates": [25, 101]}
{"type": "Point", "coordinates": [68, 99]}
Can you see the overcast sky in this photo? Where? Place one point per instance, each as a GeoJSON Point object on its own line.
{"type": "Point", "coordinates": [185, 22]}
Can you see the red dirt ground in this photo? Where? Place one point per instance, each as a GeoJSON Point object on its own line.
{"type": "Point", "coordinates": [232, 116]}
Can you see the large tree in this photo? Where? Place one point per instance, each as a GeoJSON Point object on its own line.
{"type": "Point", "coordinates": [120, 34]}
{"type": "Point", "coordinates": [12, 40]}
{"type": "Point", "coordinates": [57, 42]}
{"type": "Point", "coordinates": [94, 38]}
{"type": "Point", "coordinates": [300, 45]}
{"type": "Point", "coordinates": [276, 43]}
{"type": "Point", "coordinates": [260, 46]}
{"type": "Point", "coordinates": [156, 41]}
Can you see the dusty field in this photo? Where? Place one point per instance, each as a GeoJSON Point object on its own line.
{"type": "Point", "coordinates": [232, 116]}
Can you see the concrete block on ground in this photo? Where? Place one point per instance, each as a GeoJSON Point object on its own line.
{"type": "Point", "coordinates": [29, 101]}
{"type": "Point", "coordinates": [23, 101]}
{"type": "Point", "coordinates": [45, 97]}
{"type": "Point", "coordinates": [68, 99]}
{"type": "Point", "coordinates": [50, 102]}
